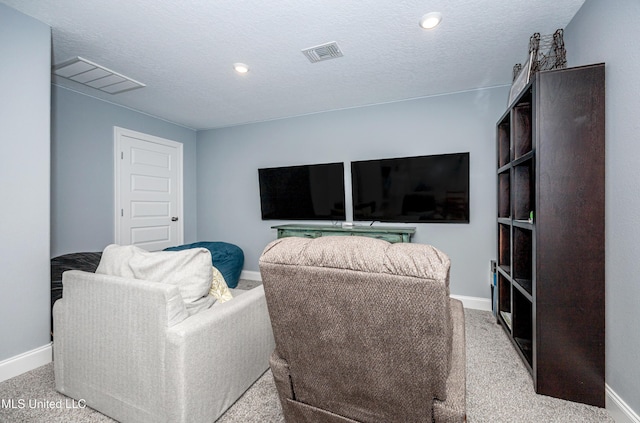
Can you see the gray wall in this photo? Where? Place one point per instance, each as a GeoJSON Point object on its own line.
{"type": "Point", "coordinates": [25, 46]}
{"type": "Point", "coordinates": [82, 177]}
{"type": "Point", "coordinates": [229, 158]}
{"type": "Point", "coordinates": [604, 31]}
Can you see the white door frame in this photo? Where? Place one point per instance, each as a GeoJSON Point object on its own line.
{"type": "Point", "coordinates": [117, 135]}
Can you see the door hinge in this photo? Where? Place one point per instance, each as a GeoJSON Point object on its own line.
{"type": "Point", "coordinates": [121, 212]}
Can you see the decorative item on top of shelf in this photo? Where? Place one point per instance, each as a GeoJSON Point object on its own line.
{"type": "Point", "coordinates": [516, 70]}
{"type": "Point", "coordinates": [547, 51]}
{"type": "Point", "coordinates": [520, 80]}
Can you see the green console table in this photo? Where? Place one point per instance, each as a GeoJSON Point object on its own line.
{"type": "Point", "coordinates": [387, 233]}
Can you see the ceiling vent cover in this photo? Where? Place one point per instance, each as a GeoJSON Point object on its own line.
{"type": "Point", "coordinates": [95, 76]}
{"type": "Point", "coordinates": [323, 52]}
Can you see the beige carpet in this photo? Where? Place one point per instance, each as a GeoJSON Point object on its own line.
{"type": "Point", "coordinates": [499, 389]}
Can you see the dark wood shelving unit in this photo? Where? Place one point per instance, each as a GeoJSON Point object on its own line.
{"type": "Point", "coordinates": [550, 231]}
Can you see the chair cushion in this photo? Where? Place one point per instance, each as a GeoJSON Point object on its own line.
{"type": "Point", "coordinates": [190, 270]}
{"type": "Point", "coordinates": [227, 258]}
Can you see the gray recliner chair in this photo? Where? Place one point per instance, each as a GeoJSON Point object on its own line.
{"type": "Point", "coordinates": [365, 331]}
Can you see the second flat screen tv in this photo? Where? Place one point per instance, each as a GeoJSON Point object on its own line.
{"type": "Point", "coordinates": [423, 189]}
{"type": "Point", "coordinates": [310, 192]}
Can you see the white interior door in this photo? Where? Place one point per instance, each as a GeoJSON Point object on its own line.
{"type": "Point", "coordinates": [148, 190]}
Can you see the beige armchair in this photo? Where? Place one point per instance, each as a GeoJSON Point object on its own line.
{"type": "Point", "coordinates": [121, 348]}
{"type": "Point", "coordinates": [365, 331]}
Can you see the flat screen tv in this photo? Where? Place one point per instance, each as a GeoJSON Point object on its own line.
{"type": "Point", "coordinates": [423, 189]}
{"type": "Point", "coordinates": [310, 192]}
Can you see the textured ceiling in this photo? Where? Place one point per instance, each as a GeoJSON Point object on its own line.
{"type": "Point", "coordinates": [183, 50]}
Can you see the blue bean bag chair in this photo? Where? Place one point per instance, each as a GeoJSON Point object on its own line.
{"type": "Point", "coordinates": [227, 258]}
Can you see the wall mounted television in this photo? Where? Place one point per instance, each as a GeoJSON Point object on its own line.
{"type": "Point", "coordinates": [309, 192]}
{"type": "Point", "coordinates": [423, 189]}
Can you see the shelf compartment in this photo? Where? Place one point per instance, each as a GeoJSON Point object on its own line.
{"type": "Point", "coordinates": [504, 142]}
{"type": "Point", "coordinates": [522, 133]}
{"type": "Point", "coordinates": [504, 303]}
{"type": "Point", "coordinates": [522, 325]}
{"type": "Point", "coordinates": [522, 265]}
{"type": "Point", "coordinates": [504, 194]}
{"type": "Point", "coordinates": [504, 247]}
{"type": "Point", "coordinates": [523, 190]}
{"type": "Point", "coordinates": [506, 318]}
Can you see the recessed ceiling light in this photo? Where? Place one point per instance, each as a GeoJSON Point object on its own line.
{"type": "Point", "coordinates": [241, 67]}
{"type": "Point", "coordinates": [431, 20]}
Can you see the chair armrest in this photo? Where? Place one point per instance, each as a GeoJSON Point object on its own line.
{"type": "Point", "coordinates": [110, 337]}
{"type": "Point", "coordinates": [215, 355]}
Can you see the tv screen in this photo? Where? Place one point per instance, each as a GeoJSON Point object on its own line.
{"type": "Point", "coordinates": [424, 189]}
{"type": "Point", "coordinates": [311, 192]}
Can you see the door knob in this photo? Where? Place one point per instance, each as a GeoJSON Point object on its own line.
{"type": "Point", "coordinates": [174, 219]}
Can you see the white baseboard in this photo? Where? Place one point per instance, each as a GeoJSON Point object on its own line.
{"type": "Point", "coordinates": [25, 362]}
{"type": "Point", "coordinates": [250, 275]}
{"type": "Point", "coordinates": [475, 303]}
{"type": "Point", "coordinates": [618, 409]}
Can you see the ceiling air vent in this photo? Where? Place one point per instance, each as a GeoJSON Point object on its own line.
{"type": "Point", "coordinates": [95, 76]}
{"type": "Point", "coordinates": [323, 52]}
